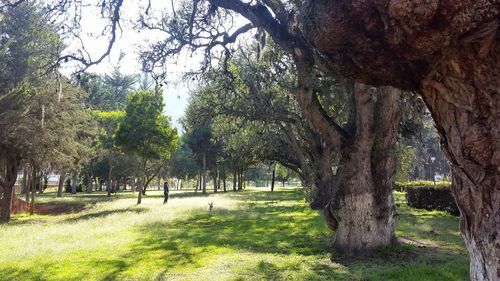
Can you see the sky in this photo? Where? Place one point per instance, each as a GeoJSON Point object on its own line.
{"type": "Point", "coordinates": [128, 42]}
{"type": "Point", "coordinates": [175, 94]}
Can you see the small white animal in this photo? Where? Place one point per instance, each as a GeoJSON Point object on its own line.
{"type": "Point", "coordinates": [210, 206]}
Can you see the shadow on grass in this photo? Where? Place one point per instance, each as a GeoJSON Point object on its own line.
{"type": "Point", "coordinates": [280, 236]}
{"type": "Point", "coordinates": [104, 213]}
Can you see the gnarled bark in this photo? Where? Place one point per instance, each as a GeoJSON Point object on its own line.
{"type": "Point", "coordinates": [463, 93]}
{"type": "Point", "coordinates": [362, 208]}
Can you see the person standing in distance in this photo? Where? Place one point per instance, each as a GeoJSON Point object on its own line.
{"type": "Point", "coordinates": [165, 191]}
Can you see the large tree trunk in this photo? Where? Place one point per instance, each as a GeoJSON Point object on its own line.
{"type": "Point", "coordinates": [323, 177]}
{"type": "Point", "coordinates": [362, 208]}
{"type": "Point", "coordinates": [463, 94]}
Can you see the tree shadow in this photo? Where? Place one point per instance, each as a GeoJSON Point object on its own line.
{"type": "Point", "coordinates": [100, 214]}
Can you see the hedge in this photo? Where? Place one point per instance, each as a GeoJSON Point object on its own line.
{"type": "Point", "coordinates": [402, 186]}
{"type": "Point", "coordinates": [432, 197]}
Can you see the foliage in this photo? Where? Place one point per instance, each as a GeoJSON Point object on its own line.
{"type": "Point", "coordinates": [183, 163]}
{"type": "Point", "coordinates": [45, 124]}
{"type": "Point", "coordinates": [144, 131]}
{"type": "Point", "coordinates": [406, 155]}
{"type": "Point", "coordinates": [108, 92]}
{"type": "Point", "coordinates": [402, 186]}
{"type": "Point", "coordinates": [432, 198]}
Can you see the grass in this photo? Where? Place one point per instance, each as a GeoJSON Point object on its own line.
{"type": "Point", "coordinates": [250, 235]}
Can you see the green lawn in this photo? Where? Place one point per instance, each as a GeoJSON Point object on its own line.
{"type": "Point", "coordinates": [250, 235]}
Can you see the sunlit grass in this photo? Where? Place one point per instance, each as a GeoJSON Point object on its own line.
{"type": "Point", "coordinates": [250, 235]}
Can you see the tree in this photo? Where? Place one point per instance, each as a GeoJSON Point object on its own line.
{"type": "Point", "coordinates": [31, 92]}
{"type": "Point", "coordinates": [108, 92]}
{"type": "Point", "coordinates": [348, 119]}
{"type": "Point", "coordinates": [446, 51]}
{"type": "Point", "coordinates": [146, 133]}
{"type": "Point", "coordinates": [183, 164]}
{"type": "Point", "coordinates": [453, 66]}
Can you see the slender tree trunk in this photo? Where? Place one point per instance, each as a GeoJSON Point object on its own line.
{"type": "Point", "coordinates": [219, 181]}
{"type": "Point", "coordinates": [224, 181]}
{"type": "Point", "coordinates": [240, 180]}
{"type": "Point", "coordinates": [215, 181]}
{"type": "Point", "coordinates": [33, 190]}
{"type": "Point", "coordinates": [158, 183]}
{"type": "Point", "coordinates": [139, 196]}
{"type": "Point", "coordinates": [272, 178]}
{"type": "Point", "coordinates": [235, 178]}
{"type": "Point", "coordinates": [463, 94]}
{"type": "Point", "coordinates": [29, 183]}
{"type": "Point", "coordinates": [108, 186]}
{"type": "Point", "coordinates": [60, 185]}
{"type": "Point", "coordinates": [204, 177]}
{"type": "Point", "coordinates": [24, 183]}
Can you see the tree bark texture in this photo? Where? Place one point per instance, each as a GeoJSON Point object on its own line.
{"type": "Point", "coordinates": [462, 92]}
{"type": "Point", "coordinates": [362, 207]}
{"type": "Point", "coordinates": [449, 52]}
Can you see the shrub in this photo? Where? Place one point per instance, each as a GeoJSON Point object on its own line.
{"type": "Point", "coordinates": [402, 186]}
{"type": "Point", "coordinates": [432, 197]}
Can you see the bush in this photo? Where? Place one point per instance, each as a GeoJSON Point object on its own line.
{"type": "Point", "coordinates": [432, 197]}
{"type": "Point", "coordinates": [67, 187]}
{"type": "Point", "coordinates": [402, 186]}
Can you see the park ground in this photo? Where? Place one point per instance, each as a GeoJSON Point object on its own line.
{"type": "Point", "coordinates": [249, 235]}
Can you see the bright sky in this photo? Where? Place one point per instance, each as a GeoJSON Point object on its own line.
{"type": "Point", "coordinates": [128, 42]}
{"type": "Point", "coordinates": [176, 93]}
